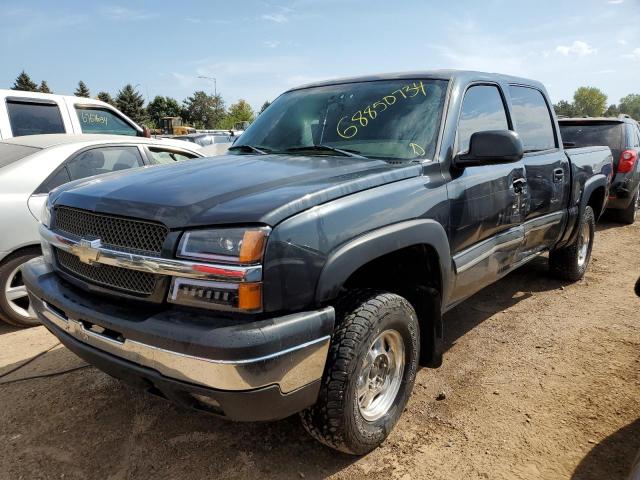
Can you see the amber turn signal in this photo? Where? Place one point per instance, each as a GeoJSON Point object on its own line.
{"type": "Point", "coordinates": [250, 296]}
{"type": "Point", "coordinates": [252, 246]}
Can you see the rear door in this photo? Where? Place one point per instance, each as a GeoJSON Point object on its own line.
{"type": "Point", "coordinates": [547, 169]}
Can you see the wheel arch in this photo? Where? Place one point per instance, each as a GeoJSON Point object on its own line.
{"type": "Point", "coordinates": [409, 258]}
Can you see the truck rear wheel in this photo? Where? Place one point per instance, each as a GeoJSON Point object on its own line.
{"type": "Point", "coordinates": [571, 262]}
{"type": "Point", "coordinates": [629, 214]}
{"type": "Point", "coordinates": [370, 372]}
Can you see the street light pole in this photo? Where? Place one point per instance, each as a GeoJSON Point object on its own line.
{"type": "Point", "coordinates": [215, 87]}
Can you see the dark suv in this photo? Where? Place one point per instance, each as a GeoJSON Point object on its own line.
{"type": "Point", "coordinates": [622, 135]}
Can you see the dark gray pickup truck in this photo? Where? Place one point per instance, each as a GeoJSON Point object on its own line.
{"type": "Point", "coordinates": [308, 270]}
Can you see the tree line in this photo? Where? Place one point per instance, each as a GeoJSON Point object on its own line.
{"type": "Point", "coordinates": [592, 102]}
{"type": "Point", "coordinates": [200, 110]}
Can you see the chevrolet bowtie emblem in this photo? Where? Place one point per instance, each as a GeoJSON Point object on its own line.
{"type": "Point", "coordinates": [88, 251]}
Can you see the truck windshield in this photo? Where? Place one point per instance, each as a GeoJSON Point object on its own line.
{"type": "Point", "coordinates": [395, 119]}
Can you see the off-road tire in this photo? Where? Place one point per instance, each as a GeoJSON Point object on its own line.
{"type": "Point", "coordinates": [335, 419]}
{"type": "Point", "coordinates": [563, 262]}
{"type": "Point", "coordinates": [629, 214]}
{"type": "Point", "coordinates": [6, 268]}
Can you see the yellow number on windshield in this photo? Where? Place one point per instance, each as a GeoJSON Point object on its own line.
{"type": "Point", "coordinates": [344, 133]}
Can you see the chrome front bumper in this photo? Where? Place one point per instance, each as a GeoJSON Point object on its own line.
{"type": "Point", "coordinates": [288, 351]}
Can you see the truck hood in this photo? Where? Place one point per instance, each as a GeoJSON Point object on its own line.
{"type": "Point", "coordinates": [230, 189]}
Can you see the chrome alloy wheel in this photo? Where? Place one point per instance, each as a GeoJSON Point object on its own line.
{"type": "Point", "coordinates": [16, 294]}
{"type": "Point", "coordinates": [584, 240]}
{"type": "Point", "coordinates": [380, 375]}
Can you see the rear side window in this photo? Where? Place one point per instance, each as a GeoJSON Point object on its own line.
{"type": "Point", "coordinates": [103, 160]}
{"type": "Point", "coordinates": [632, 136]}
{"type": "Point", "coordinates": [532, 119]}
{"type": "Point", "coordinates": [31, 118]}
{"type": "Point", "coordinates": [59, 178]}
{"type": "Point", "coordinates": [12, 153]}
{"type": "Point", "coordinates": [579, 134]}
{"type": "Point", "coordinates": [482, 109]}
{"type": "Point", "coordinates": [101, 120]}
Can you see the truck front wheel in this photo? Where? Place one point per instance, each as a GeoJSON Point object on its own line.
{"type": "Point", "coordinates": [571, 262]}
{"type": "Point", "coordinates": [370, 372]}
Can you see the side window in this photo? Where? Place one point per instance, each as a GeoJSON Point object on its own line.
{"type": "Point", "coordinates": [161, 155]}
{"type": "Point", "coordinates": [637, 143]}
{"type": "Point", "coordinates": [632, 136]}
{"type": "Point", "coordinates": [101, 120]}
{"type": "Point", "coordinates": [30, 118]}
{"type": "Point", "coordinates": [59, 178]}
{"type": "Point", "coordinates": [482, 109]}
{"type": "Point", "coordinates": [103, 160]}
{"type": "Point", "coordinates": [532, 119]}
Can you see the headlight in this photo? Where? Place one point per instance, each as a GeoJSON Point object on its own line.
{"type": "Point", "coordinates": [240, 246]}
{"type": "Point", "coordinates": [229, 245]}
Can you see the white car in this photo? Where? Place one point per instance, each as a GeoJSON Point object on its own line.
{"type": "Point", "coordinates": [33, 113]}
{"type": "Point", "coordinates": [31, 166]}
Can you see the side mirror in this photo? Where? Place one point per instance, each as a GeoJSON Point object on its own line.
{"type": "Point", "coordinates": [145, 132]}
{"type": "Point", "coordinates": [491, 147]}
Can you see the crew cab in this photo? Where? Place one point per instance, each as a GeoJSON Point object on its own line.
{"type": "Point", "coordinates": [308, 270]}
{"type": "Point", "coordinates": [34, 113]}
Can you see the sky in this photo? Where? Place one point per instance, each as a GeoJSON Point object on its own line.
{"type": "Point", "coordinates": [257, 49]}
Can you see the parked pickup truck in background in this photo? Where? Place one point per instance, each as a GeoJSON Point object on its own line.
{"type": "Point", "coordinates": [622, 135]}
{"type": "Point", "coordinates": [32, 113]}
{"type": "Point", "coordinates": [308, 270]}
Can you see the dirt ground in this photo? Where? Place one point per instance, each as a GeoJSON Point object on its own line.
{"type": "Point", "coordinates": [541, 380]}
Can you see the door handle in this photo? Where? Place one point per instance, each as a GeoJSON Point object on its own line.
{"type": "Point", "coordinates": [558, 175]}
{"type": "Point", "coordinates": [518, 185]}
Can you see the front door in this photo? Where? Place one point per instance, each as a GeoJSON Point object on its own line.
{"type": "Point", "coordinates": [487, 203]}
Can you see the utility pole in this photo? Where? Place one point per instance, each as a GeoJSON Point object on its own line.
{"type": "Point", "coordinates": [215, 87]}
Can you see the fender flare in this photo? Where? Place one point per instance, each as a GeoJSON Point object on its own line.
{"type": "Point", "coordinates": [590, 186]}
{"type": "Point", "coordinates": [346, 259]}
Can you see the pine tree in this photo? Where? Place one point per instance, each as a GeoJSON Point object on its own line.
{"type": "Point", "coordinates": [105, 97]}
{"type": "Point", "coordinates": [24, 82]}
{"type": "Point", "coordinates": [82, 90]}
{"type": "Point", "coordinates": [131, 103]}
{"type": "Point", "coordinates": [44, 88]}
{"type": "Point", "coordinates": [264, 106]}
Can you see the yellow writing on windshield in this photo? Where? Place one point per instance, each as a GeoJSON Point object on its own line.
{"type": "Point", "coordinates": [417, 149]}
{"type": "Point", "coordinates": [348, 126]}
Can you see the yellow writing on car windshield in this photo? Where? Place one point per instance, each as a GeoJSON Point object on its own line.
{"type": "Point", "coordinates": [417, 149]}
{"type": "Point", "coordinates": [361, 118]}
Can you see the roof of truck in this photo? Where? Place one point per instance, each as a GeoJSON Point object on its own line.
{"type": "Point", "coordinates": [436, 74]}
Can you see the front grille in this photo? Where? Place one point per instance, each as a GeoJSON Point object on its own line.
{"type": "Point", "coordinates": [117, 233]}
{"type": "Point", "coordinates": [130, 281]}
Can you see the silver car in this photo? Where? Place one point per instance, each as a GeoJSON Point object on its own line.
{"type": "Point", "coordinates": [31, 166]}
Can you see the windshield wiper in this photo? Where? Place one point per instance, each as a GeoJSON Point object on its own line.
{"type": "Point", "coordinates": [327, 148]}
{"type": "Point", "coordinates": [251, 148]}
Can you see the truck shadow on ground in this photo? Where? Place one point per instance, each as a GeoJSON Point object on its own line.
{"type": "Point", "coordinates": [534, 277]}
{"type": "Point", "coordinates": [612, 457]}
